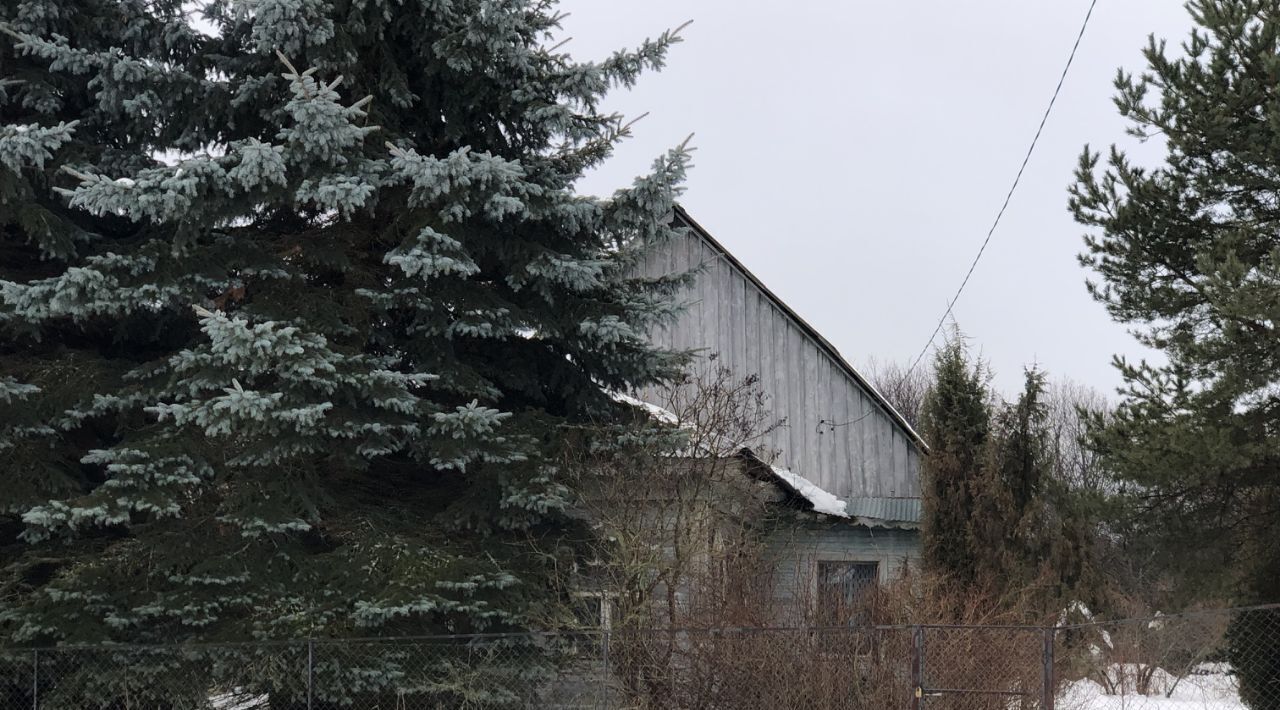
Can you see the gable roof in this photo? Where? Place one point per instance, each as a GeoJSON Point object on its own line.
{"type": "Point", "coordinates": [809, 331]}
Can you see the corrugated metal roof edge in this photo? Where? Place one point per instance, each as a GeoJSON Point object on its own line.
{"type": "Point", "coordinates": [808, 330]}
{"type": "Point", "coordinates": [886, 524]}
{"type": "Point", "coordinates": [902, 510]}
{"type": "Point", "coordinates": [763, 471]}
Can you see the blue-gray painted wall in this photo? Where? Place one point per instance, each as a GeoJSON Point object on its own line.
{"type": "Point", "coordinates": [797, 550]}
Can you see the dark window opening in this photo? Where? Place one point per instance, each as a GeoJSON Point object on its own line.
{"type": "Point", "coordinates": [844, 592]}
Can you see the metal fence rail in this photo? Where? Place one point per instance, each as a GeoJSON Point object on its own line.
{"type": "Point", "coordinates": [1215, 660]}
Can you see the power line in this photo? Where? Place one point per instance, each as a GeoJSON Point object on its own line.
{"type": "Point", "coordinates": [1008, 196]}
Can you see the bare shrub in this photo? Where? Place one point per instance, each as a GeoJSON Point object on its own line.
{"type": "Point", "coordinates": [670, 503]}
{"type": "Point", "coordinates": [985, 644]}
{"type": "Point", "coordinates": [681, 515]}
{"type": "Point", "coordinates": [778, 668]}
{"type": "Point", "coordinates": [863, 659]}
{"type": "Point", "coordinates": [904, 388]}
{"type": "Point", "coordinates": [1148, 656]}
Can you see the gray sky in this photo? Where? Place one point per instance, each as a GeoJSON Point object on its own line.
{"type": "Point", "coordinates": [853, 155]}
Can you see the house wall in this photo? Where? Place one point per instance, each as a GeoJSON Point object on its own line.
{"type": "Point", "coordinates": [730, 315]}
{"type": "Point", "coordinates": [797, 549]}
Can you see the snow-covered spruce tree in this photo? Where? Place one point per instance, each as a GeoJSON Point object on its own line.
{"type": "Point", "coordinates": [47, 119]}
{"type": "Point", "coordinates": [302, 311]}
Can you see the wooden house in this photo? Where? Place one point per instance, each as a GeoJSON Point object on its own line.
{"type": "Point", "coordinates": [843, 454]}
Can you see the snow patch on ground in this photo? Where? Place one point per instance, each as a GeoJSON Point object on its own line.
{"type": "Point", "coordinates": [823, 502]}
{"type": "Point", "coordinates": [238, 700]}
{"type": "Point", "coordinates": [1211, 687]}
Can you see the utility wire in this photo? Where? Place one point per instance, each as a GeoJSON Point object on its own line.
{"type": "Point", "coordinates": [1009, 195]}
{"type": "Point", "coordinates": [822, 423]}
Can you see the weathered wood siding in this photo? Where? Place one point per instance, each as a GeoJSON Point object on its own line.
{"type": "Point", "coordinates": [730, 313]}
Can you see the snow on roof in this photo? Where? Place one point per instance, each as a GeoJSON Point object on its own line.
{"type": "Point", "coordinates": [866, 510]}
{"type": "Point", "coordinates": [899, 513]}
{"type": "Point", "coordinates": [822, 501]}
{"type": "Point", "coordinates": [665, 416]}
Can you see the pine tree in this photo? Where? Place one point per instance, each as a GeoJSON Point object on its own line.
{"type": "Point", "coordinates": [1187, 254]}
{"type": "Point", "coordinates": [298, 312]}
{"type": "Point", "coordinates": [957, 422]}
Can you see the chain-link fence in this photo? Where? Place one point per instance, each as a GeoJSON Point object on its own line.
{"type": "Point", "coordinates": [1215, 660]}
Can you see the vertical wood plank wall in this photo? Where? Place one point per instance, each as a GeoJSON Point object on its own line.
{"type": "Point", "coordinates": [728, 314]}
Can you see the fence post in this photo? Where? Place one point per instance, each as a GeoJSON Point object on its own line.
{"type": "Point", "coordinates": [604, 674]}
{"type": "Point", "coordinates": [311, 670]}
{"type": "Point", "coordinates": [917, 667]}
{"type": "Point", "coordinates": [1046, 693]}
{"type": "Point", "coordinates": [35, 680]}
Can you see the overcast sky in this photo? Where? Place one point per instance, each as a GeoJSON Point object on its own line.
{"type": "Point", "coordinates": [853, 155]}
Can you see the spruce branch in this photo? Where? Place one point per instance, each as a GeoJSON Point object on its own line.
{"type": "Point", "coordinates": [674, 35]}
{"type": "Point", "coordinates": [294, 74]}
{"type": "Point", "coordinates": [6, 28]}
{"type": "Point", "coordinates": [83, 177]}
{"type": "Point", "coordinates": [293, 71]}
{"type": "Point", "coordinates": [625, 130]}
{"type": "Point", "coordinates": [558, 45]}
